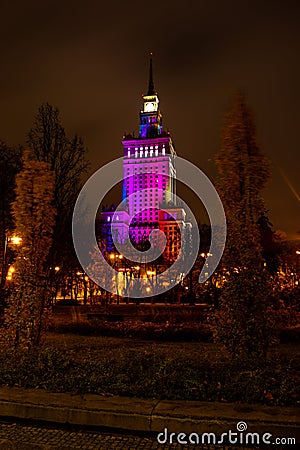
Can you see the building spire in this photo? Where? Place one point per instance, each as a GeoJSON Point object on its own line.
{"type": "Point", "coordinates": [151, 83]}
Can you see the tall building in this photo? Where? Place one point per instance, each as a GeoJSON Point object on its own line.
{"type": "Point", "coordinates": [149, 184]}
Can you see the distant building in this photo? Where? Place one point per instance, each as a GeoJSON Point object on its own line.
{"type": "Point", "coordinates": [149, 186]}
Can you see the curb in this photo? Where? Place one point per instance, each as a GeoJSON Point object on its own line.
{"type": "Point", "coordinates": [146, 415]}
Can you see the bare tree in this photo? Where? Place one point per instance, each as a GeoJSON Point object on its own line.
{"type": "Point", "coordinates": [66, 157]}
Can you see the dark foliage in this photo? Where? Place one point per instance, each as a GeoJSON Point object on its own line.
{"type": "Point", "coordinates": [149, 371]}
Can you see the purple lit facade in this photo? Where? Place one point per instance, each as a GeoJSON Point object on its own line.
{"type": "Point", "coordinates": [149, 184]}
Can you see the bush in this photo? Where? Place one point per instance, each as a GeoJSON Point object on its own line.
{"type": "Point", "coordinates": [155, 373]}
{"type": "Point", "coordinates": [65, 302]}
{"type": "Point", "coordinates": [139, 329]}
{"type": "Point", "coordinates": [291, 334]}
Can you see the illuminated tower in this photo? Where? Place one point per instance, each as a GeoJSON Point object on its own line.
{"type": "Point", "coordinates": [148, 164]}
{"type": "Point", "coordinates": [149, 173]}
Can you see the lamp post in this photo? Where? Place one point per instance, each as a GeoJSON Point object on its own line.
{"type": "Point", "coordinates": [150, 274]}
{"type": "Point", "coordinates": [297, 267]}
{"type": "Point", "coordinates": [14, 240]}
{"type": "Point", "coordinates": [115, 257]}
{"type": "Point", "coordinates": [56, 283]}
{"type": "Point", "coordinates": [113, 260]}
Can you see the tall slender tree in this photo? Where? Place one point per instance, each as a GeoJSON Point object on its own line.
{"type": "Point", "coordinates": [34, 215]}
{"type": "Point", "coordinates": [241, 321]}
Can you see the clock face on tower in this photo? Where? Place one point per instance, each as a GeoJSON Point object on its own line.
{"type": "Point", "coordinates": [150, 106]}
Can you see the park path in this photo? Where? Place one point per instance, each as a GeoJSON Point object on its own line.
{"type": "Point", "coordinates": [24, 436]}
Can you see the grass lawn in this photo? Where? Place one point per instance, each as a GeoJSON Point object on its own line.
{"type": "Point", "coordinates": [120, 366]}
{"type": "Point", "coordinates": [98, 346]}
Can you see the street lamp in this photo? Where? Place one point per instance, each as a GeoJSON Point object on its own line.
{"type": "Point", "coordinates": [15, 240]}
{"type": "Point", "coordinates": [297, 266]}
{"type": "Point", "coordinates": [10, 273]}
{"type": "Point", "coordinates": [114, 258]}
{"type": "Point", "coordinates": [56, 282]}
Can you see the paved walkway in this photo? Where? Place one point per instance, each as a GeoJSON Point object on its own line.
{"type": "Point", "coordinates": [146, 416]}
{"type": "Point", "coordinates": [17, 436]}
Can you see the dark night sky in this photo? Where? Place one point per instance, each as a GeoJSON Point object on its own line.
{"type": "Point", "coordinates": [91, 60]}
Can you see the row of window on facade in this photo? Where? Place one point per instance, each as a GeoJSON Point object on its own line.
{"type": "Point", "coordinates": [144, 197]}
{"type": "Point", "coordinates": [145, 120]}
{"type": "Point", "coordinates": [151, 161]}
{"type": "Point", "coordinates": [140, 182]}
{"type": "Point", "coordinates": [141, 172]}
{"type": "Point", "coordinates": [150, 203]}
{"type": "Point", "coordinates": [145, 194]}
{"type": "Point", "coordinates": [140, 179]}
{"type": "Point", "coordinates": [153, 187]}
{"type": "Point", "coordinates": [150, 213]}
{"type": "Point", "coordinates": [145, 154]}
